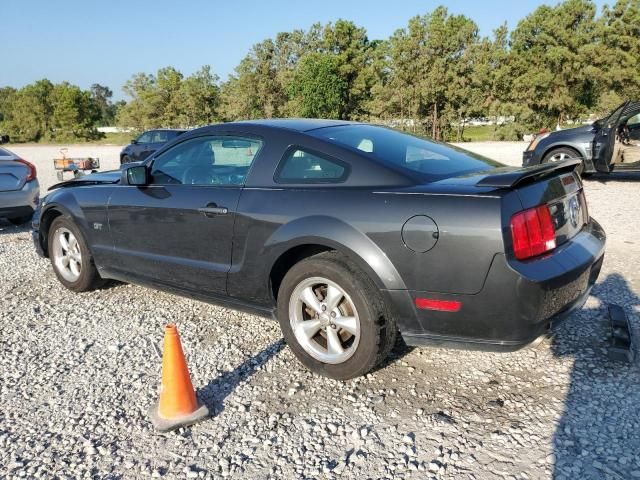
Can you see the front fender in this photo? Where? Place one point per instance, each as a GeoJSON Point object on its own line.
{"type": "Point", "coordinates": [338, 235]}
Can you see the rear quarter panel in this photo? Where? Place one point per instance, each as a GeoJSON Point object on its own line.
{"type": "Point", "coordinates": [367, 226]}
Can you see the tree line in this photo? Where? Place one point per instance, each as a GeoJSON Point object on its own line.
{"type": "Point", "coordinates": [558, 64]}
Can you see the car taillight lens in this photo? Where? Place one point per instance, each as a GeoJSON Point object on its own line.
{"type": "Point", "coordinates": [32, 169]}
{"type": "Point", "coordinates": [532, 232]}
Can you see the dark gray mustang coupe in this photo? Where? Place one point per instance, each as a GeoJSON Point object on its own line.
{"type": "Point", "coordinates": [346, 232]}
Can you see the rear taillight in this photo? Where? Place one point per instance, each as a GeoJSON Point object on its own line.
{"type": "Point", "coordinates": [32, 169]}
{"type": "Point", "coordinates": [532, 232]}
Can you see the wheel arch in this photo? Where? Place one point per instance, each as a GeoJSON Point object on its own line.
{"type": "Point", "coordinates": [299, 239]}
{"type": "Point", "coordinates": [559, 146]}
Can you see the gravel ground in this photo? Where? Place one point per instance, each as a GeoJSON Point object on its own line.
{"type": "Point", "coordinates": [80, 371]}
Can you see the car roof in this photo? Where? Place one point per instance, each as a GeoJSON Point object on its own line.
{"type": "Point", "coordinates": [296, 124]}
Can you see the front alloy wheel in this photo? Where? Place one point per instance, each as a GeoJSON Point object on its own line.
{"type": "Point", "coordinates": [70, 256]}
{"type": "Point", "coordinates": [66, 254]}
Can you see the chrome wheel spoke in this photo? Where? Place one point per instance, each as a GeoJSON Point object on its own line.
{"type": "Point", "coordinates": [74, 266]}
{"type": "Point", "coordinates": [309, 328]}
{"type": "Point", "coordinates": [64, 243]}
{"type": "Point", "coordinates": [350, 324]}
{"type": "Point", "coordinates": [65, 260]}
{"type": "Point", "coordinates": [334, 345]}
{"type": "Point", "coordinates": [311, 301]}
{"type": "Point", "coordinates": [333, 297]}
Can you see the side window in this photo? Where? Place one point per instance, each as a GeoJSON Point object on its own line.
{"type": "Point", "coordinates": [634, 121]}
{"type": "Point", "coordinates": [160, 136]}
{"type": "Point", "coordinates": [212, 160]}
{"type": "Point", "coordinates": [145, 137]}
{"type": "Point", "coordinates": [300, 166]}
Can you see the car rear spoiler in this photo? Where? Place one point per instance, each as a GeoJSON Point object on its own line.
{"type": "Point", "coordinates": [515, 177]}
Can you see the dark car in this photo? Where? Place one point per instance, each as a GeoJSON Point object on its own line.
{"type": "Point", "coordinates": [346, 232]}
{"type": "Point", "coordinates": [147, 143]}
{"type": "Point", "coordinates": [611, 143]}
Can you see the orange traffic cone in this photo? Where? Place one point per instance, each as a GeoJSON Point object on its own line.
{"type": "Point", "coordinates": [178, 405]}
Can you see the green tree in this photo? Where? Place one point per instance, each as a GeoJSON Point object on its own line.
{"type": "Point", "coordinates": [554, 51]}
{"type": "Point", "coordinates": [621, 53]}
{"type": "Point", "coordinates": [197, 99]}
{"type": "Point", "coordinates": [73, 113]}
{"type": "Point", "coordinates": [318, 89]}
{"type": "Point", "coordinates": [101, 98]}
{"type": "Point", "coordinates": [29, 115]}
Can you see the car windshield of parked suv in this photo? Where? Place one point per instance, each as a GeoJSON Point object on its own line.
{"type": "Point", "coordinates": [430, 160]}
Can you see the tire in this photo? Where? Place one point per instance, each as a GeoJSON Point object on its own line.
{"type": "Point", "coordinates": [560, 154]}
{"type": "Point", "coordinates": [80, 274]}
{"type": "Point", "coordinates": [125, 159]}
{"type": "Point", "coordinates": [363, 325]}
{"type": "Point", "coordinates": [20, 220]}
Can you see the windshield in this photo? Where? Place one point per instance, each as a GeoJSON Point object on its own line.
{"type": "Point", "coordinates": [429, 160]}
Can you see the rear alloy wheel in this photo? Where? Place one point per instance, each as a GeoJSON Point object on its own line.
{"type": "Point", "coordinates": [324, 320]}
{"type": "Point", "coordinates": [71, 258]}
{"type": "Point", "coordinates": [333, 317]}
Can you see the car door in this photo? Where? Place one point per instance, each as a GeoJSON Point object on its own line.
{"type": "Point", "coordinates": [178, 229]}
{"type": "Point", "coordinates": [140, 146]}
{"type": "Point", "coordinates": [604, 140]}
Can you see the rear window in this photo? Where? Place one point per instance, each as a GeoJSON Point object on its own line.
{"type": "Point", "coordinates": [427, 159]}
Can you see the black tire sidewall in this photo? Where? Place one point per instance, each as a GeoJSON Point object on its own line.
{"type": "Point", "coordinates": [357, 286]}
{"type": "Point", "coordinates": [125, 159]}
{"type": "Point", "coordinates": [88, 271]}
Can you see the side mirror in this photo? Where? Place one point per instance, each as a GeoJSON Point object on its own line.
{"type": "Point", "coordinates": [134, 141]}
{"type": "Point", "coordinates": [136, 175]}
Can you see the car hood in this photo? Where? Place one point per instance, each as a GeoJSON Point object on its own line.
{"type": "Point", "coordinates": [98, 178]}
{"type": "Point", "coordinates": [570, 132]}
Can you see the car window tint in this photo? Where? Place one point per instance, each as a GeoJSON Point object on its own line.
{"type": "Point", "coordinates": [426, 159]}
{"type": "Point", "coordinates": [635, 120]}
{"type": "Point", "coordinates": [219, 160]}
{"type": "Point", "coordinates": [145, 137]}
{"type": "Point", "coordinates": [160, 136]}
{"type": "Point", "coordinates": [300, 166]}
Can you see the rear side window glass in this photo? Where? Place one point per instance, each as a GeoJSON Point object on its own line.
{"type": "Point", "coordinates": [418, 156]}
{"type": "Point", "coordinates": [4, 153]}
{"type": "Point", "coordinates": [301, 166]}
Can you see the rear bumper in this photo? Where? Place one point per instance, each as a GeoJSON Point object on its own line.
{"type": "Point", "coordinates": [519, 302]}
{"type": "Point", "coordinates": [19, 203]}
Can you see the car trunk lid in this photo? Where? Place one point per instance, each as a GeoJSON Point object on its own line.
{"type": "Point", "coordinates": [12, 175]}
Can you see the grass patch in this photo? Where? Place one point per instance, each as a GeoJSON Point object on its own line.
{"type": "Point", "coordinates": [479, 133]}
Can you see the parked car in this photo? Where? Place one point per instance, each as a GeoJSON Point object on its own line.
{"type": "Point", "coordinates": [609, 144]}
{"type": "Point", "coordinates": [4, 138]}
{"type": "Point", "coordinates": [147, 143]}
{"type": "Point", "coordinates": [19, 188]}
{"type": "Point", "coordinates": [346, 232]}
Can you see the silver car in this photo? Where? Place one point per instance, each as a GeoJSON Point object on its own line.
{"type": "Point", "coordinates": [19, 188]}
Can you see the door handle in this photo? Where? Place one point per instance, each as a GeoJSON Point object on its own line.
{"type": "Point", "coordinates": [214, 210]}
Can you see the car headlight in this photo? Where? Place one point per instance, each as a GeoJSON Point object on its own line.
{"type": "Point", "coordinates": [536, 140]}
